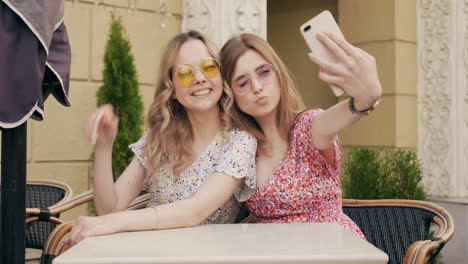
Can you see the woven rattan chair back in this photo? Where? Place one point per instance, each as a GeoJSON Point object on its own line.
{"type": "Point", "coordinates": [42, 194]}
{"type": "Point", "coordinates": [392, 229]}
{"type": "Point", "coordinates": [401, 227]}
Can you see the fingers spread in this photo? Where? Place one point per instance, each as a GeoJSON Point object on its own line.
{"type": "Point", "coordinates": [342, 43]}
{"type": "Point", "coordinates": [333, 47]}
{"type": "Point", "coordinates": [96, 124]}
{"type": "Point", "coordinates": [92, 125]}
{"type": "Point", "coordinates": [89, 126]}
{"type": "Point", "coordinates": [331, 79]}
{"type": "Point", "coordinates": [74, 233]}
{"type": "Point", "coordinates": [314, 59]}
{"type": "Point", "coordinates": [332, 68]}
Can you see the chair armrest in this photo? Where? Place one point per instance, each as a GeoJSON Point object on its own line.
{"type": "Point", "coordinates": [413, 251]}
{"type": "Point", "coordinates": [423, 251]}
{"type": "Point", "coordinates": [51, 247]}
{"type": "Point", "coordinates": [55, 238]}
{"type": "Point", "coordinates": [446, 229]}
{"type": "Point", "coordinates": [47, 214]}
{"type": "Point", "coordinates": [139, 202]}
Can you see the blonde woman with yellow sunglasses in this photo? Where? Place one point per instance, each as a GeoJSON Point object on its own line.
{"type": "Point", "coordinates": [195, 165]}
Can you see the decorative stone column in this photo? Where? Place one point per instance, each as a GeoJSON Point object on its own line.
{"type": "Point", "coordinates": [443, 96]}
{"type": "Point", "coordinates": [387, 30]}
{"type": "Point", "coordinates": [219, 20]}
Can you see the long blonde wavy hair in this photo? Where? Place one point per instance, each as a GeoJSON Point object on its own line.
{"type": "Point", "coordinates": [290, 102]}
{"type": "Point", "coordinates": [169, 132]}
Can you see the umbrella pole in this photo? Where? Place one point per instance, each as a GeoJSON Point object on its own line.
{"type": "Point", "coordinates": [13, 203]}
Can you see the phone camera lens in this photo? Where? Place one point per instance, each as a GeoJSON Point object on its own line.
{"type": "Point", "coordinates": [306, 28]}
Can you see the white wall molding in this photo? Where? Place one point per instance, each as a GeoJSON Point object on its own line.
{"type": "Point", "coordinates": [443, 95]}
{"type": "Point", "coordinates": [219, 20]}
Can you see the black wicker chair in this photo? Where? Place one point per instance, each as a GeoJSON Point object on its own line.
{"type": "Point", "coordinates": [54, 246]}
{"type": "Point", "coordinates": [401, 227]}
{"type": "Point", "coordinates": [41, 196]}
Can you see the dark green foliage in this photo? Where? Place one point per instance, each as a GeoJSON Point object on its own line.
{"type": "Point", "coordinates": [120, 88]}
{"type": "Point", "coordinates": [362, 174]}
{"type": "Point", "coordinates": [374, 174]}
{"type": "Point", "coordinates": [403, 175]}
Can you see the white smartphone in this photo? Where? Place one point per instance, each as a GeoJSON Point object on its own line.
{"type": "Point", "coordinates": [323, 22]}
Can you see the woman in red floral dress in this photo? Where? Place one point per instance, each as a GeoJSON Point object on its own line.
{"type": "Point", "coordinates": [298, 157]}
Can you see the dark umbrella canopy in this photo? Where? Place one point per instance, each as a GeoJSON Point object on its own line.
{"type": "Point", "coordinates": [34, 59]}
{"type": "Point", "coordinates": [34, 63]}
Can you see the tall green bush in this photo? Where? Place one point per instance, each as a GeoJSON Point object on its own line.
{"type": "Point", "coordinates": [377, 174]}
{"type": "Point", "coordinates": [120, 88]}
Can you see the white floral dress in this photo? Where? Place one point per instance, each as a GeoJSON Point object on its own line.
{"type": "Point", "coordinates": [231, 153]}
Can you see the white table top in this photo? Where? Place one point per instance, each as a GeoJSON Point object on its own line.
{"type": "Point", "coordinates": [234, 243]}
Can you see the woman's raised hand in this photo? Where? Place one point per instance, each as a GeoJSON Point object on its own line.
{"type": "Point", "coordinates": [355, 71]}
{"type": "Point", "coordinates": [101, 128]}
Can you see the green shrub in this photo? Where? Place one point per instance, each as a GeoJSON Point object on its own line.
{"type": "Point", "coordinates": [120, 88]}
{"type": "Point", "coordinates": [377, 174]}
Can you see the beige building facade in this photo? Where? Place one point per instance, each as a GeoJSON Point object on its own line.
{"type": "Point", "coordinates": [422, 59]}
{"type": "Point", "coordinates": [387, 29]}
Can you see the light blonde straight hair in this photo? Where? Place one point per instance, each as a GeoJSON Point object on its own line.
{"type": "Point", "coordinates": [169, 132]}
{"type": "Point", "coordinates": [290, 103]}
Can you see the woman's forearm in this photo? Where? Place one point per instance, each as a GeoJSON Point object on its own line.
{"type": "Point", "coordinates": [330, 122]}
{"type": "Point", "coordinates": [211, 196]}
{"type": "Point", "coordinates": [103, 182]}
{"type": "Point", "coordinates": [173, 215]}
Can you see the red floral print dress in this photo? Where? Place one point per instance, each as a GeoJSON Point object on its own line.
{"type": "Point", "coordinates": [304, 188]}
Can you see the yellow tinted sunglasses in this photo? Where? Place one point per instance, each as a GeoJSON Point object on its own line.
{"type": "Point", "coordinates": [185, 74]}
